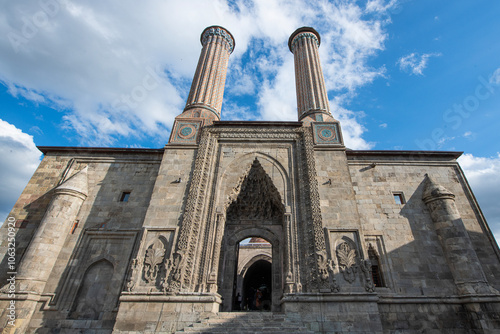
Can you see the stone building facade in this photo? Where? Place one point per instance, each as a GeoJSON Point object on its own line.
{"type": "Point", "coordinates": [148, 240]}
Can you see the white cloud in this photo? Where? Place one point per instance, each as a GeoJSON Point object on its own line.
{"type": "Point", "coordinates": [483, 174]}
{"type": "Point", "coordinates": [495, 77]}
{"type": "Point", "coordinates": [383, 125]}
{"type": "Point", "coordinates": [120, 68]}
{"type": "Point", "coordinates": [380, 6]}
{"type": "Point", "coordinates": [352, 129]}
{"type": "Point", "coordinates": [415, 63]}
{"type": "Point", "coordinates": [20, 158]}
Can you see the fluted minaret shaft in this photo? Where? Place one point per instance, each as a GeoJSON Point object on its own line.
{"type": "Point", "coordinates": [207, 88]}
{"type": "Point", "coordinates": [312, 99]}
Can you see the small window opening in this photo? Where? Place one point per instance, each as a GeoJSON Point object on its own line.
{"type": "Point", "coordinates": [125, 196]}
{"type": "Point", "coordinates": [377, 278]}
{"type": "Point", "coordinates": [399, 198]}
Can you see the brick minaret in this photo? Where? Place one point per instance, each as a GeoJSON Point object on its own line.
{"type": "Point", "coordinates": [205, 98]}
{"type": "Point", "coordinates": [312, 100]}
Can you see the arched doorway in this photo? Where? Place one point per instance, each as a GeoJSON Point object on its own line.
{"type": "Point", "coordinates": [257, 287]}
{"type": "Point", "coordinates": [239, 274]}
{"type": "Point", "coordinates": [253, 282]}
{"type": "Point", "coordinates": [256, 210]}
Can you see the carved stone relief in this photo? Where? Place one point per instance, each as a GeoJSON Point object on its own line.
{"type": "Point", "coordinates": [152, 263]}
{"type": "Point", "coordinates": [155, 255]}
{"type": "Point", "coordinates": [258, 198]}
{"type": "Point", "coordinates": [347, 261]}
{"type": "Point", "coordinates": [317, 277]}
{"type": "Point", "coordinates": [184, 259]}
{"type": "Point", "coordinates": [365, 266]}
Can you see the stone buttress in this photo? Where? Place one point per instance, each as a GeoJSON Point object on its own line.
{"type": "Point", "coordinates": [41, 255]}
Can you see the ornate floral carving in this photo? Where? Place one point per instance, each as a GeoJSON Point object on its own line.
{"type": "Point", "coordinates": [154, 257]}
{"type": "Point", "coordinates": [347, 261]}
{"type": "Point", "coordinates": [322, 265]}
{"type": "Point", "coordinates": [334, 285]}
{"type": "Point", "coordinates": [258, 197]}
{"type": "Point", "coordinates": [134, 267]}
{"type": "Point", "coordinates": [366, 269]}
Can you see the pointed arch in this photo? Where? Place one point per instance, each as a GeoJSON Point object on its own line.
{"type": "Point", "coordinates": [239, 167]}
{"type": "Point", "coordinates": [256, 197]}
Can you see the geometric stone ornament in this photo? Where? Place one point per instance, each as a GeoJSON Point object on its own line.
{"type": "Point", "coordinates": [258, 198]}
{"type": "Point", "coordinates": [186, 131]}
{"type": "Point", "coordinates": [326, 133]}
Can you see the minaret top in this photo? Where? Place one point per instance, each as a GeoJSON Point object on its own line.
{"type": "Point", "coordinates": [218, 31]}
{"type": "Point", "coordinates": [303, 32]}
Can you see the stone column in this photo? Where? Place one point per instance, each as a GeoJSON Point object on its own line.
{"type": "Point", "coordinates": [312, 99]}
{"type": "Point", "coordinates": [44, 249]}
{"type": "Point", "coordinates": [457, 246]}
{"type": "Point", "coordinates": [204, 102]}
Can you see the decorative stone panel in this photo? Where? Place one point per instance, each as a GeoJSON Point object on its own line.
{"type": "Point", "coordinates": [186, 131]}
{"type": "Point", "coordinates": [351, 270]}
{"type": "Point", "coordinates": [151, 265]}
{"type": "Point", "coordinates": [326, 133]}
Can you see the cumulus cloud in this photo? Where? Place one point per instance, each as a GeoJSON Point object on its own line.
{"type": "Point", "coordinates": [20, 158]}
{"type": "Point", "coordinates": [483, 174]}
{"type": "Point", "coordinates": [415, 63]}
{"type": "Point", "coordinates": [380, 6]}
{"type": "Point", "coordinates": [352, 129]}
{"type": "Point", "coordinates": [119, 68]}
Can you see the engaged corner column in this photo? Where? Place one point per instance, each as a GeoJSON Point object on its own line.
{"type": "Point", "coordinates": [455, 241]}
{"type": "Point", "coordinates": [42, 253]}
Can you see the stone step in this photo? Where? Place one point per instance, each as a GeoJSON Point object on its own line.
{"type": "Point", "coordinates": [247, 323]}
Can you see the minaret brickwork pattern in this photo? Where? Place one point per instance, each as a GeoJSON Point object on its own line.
{"type": "Point", "coordinates": [204, 102]}
{"type": "Point", "coordinates": [312, 99]}
{"type": "Point", "coordinates": [207, 88]}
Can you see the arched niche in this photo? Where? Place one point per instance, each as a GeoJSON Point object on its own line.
{"type": "Point", "coordinates": [92, 298]}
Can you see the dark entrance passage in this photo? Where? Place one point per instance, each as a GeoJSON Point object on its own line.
{"type": "Point", "coordinates": [257, 286]}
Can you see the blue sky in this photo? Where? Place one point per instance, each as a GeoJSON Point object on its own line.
{"type": "Point", "coordinates": [400, 74]}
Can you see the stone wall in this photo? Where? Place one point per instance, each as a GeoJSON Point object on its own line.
{"type": "Point", "coordinates": [102, 237]}
{"type": "Point", "coordinates": [414, 255]}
